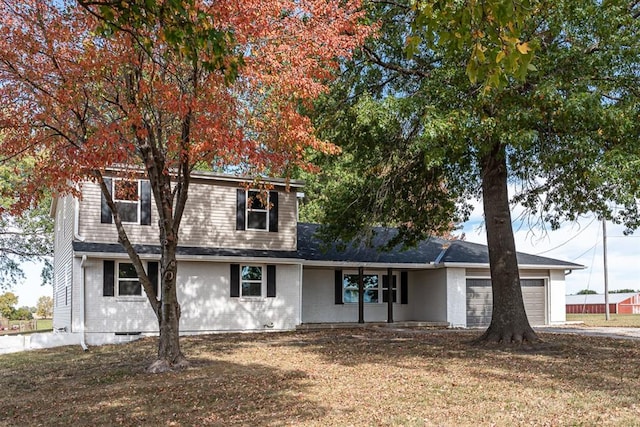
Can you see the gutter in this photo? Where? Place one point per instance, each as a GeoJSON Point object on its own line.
{"type": "Point", "coordinates": [83, 343]}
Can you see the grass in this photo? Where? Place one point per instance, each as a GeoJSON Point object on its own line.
{"type": "Point", "coordinates": [25, 326]}
{"type": "Point", "coordinates": [615, 320]}
{"type": "Point", "coordinates": [373, 376]}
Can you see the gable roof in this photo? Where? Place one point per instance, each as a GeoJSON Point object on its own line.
{"type": "Point", "coordinates": [433, 252]}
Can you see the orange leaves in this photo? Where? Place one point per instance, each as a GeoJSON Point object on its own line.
{"type": "Point", "coordinates": [78, 101]}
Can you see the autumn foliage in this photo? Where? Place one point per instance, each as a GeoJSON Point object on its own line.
{"type": "Point", "coordinates": [78, 100]}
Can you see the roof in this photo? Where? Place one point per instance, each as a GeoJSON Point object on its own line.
{"type": "Point", "coordinates": [313, 251]}
{"type": "Point", "coordinates": [597, 298]}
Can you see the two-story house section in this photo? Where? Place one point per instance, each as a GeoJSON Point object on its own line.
{"type": "Point", "coordinates": [246, 264]}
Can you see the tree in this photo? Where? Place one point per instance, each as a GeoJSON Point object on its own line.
{"type": "Point", "coordinates": [8, 302]}
{"type": "Point", "coordinates": [420, 139]}
{"type": "Point", "coordinates": [83, 99]}
{"type": "Point", "coordinates": [24, 238]}
{"type": "Point", "coordinates": [22, 313]}
{"type": "Point", "coordinates": [44, 307]}
{"type": "Point", "coordinates": [586, 292]}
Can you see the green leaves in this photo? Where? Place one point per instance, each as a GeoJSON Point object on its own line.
{"type": "Point", "coordinates": [488, 33]}
{"type": "Point", "coordinates": [184, 25]}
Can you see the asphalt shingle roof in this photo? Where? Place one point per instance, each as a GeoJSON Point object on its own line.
{"type": "Point", "coordinates": [311, 248]}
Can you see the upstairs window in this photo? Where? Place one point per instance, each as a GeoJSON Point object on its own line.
{"type": "Point", "coordinates": [132, 199]}
{"type": "Point", "coordinates": [257, 210]}
{"type": "Point", "coordinates": [126, 197]}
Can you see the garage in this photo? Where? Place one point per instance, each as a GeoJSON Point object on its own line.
{"type": "Point", "coordinates": [480, 302]}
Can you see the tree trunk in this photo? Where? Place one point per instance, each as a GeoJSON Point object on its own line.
{"type": "Point", "coordinates": [509, 323]}
{"type": "Point", "coordinates": [170, 356]}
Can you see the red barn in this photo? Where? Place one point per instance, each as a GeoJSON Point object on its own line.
{"type": "Point", "coordinates": [618, 303]}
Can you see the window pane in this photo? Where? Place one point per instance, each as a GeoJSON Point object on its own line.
{"type": "Point", "coordinates": [126, 190]}
{"type": "Point", "coordinates": [350, 288]}
{"type": "Point", "coordinates": [257, 220]}
{"type": "Point", "coordinates": [371, 295]}
{"type": "Point", "coordinates": [256, 200]}
{"type": "Point", "coordinates": [251, 272]}
{"type": "Point", "coordinates": [251, 289]}
{"type": "Point", "coordinates": [129, 287]}
{"type": "Point", "coordinates": [385, 294]}
{"type": "Point", "coordinates": [126, 270]}
{"type": "Point", "coordinates": [128, 211]}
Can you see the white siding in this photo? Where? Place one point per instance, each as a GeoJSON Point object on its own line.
{"type": "Point", "coordinates": [203, 293]}
{"type": "Point", "coordinates": [209, 220]}
{"type": "Point", "coordinates": [62, 263]}
{"type": "Point", "coordinates": [318, 300]}
{"type": "Point", "coordinates": [556, 294]}
{"type": "Point", "coordinates": [428, 295]}
{"type": "Point", "coordinates": [456, 297]}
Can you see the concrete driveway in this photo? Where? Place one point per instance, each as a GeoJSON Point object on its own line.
{"type": "Point", "coordinates": [608, 332]}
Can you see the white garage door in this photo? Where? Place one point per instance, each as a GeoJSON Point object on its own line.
{"type": "Point", "coordinates": [480, 303]}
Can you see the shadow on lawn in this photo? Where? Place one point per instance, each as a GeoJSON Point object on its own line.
{"type": "Point", "coordinates": [108, 386]}
{"type": "Point", "coordinates": [572, 361]}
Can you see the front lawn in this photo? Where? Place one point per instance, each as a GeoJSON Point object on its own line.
{"type": "Point", "coordinates": [367, 377]}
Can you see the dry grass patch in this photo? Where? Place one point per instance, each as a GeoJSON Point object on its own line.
{"type": "Point", "coordinates": [343, 377]}
{"type": "Point", "coordinates": [615, 320]}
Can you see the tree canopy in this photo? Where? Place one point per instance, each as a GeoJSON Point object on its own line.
{"type": "Point", "coordinates": [420, 139]}
{"type": "Point", "coordinates": [86, 87]}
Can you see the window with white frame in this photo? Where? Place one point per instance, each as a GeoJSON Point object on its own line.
{"type": "Point", "coordinates": [126, 196]}
{"type": "Point", "coordinates": [375, 288]}
{"type": "Point", "coordinates": [128, 282]}
{"type": "Point", "coordinates": [257, 210]}
{"type": "Point", "coordinates": [251, 280]}
{"type": "Point", "coordinates": [371, 288]}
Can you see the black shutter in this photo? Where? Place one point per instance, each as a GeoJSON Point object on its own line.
{"type": "Point", "coordinates": [385, 284]}
{"type": "Point", "coordinates": [338, 287]}
{"type": "Point", "coordinates": [152, 272]}
{"type": "Point", "coordinates": [108, 278]}
{"type": "Point", "coordinates": [234, 292]}
{"type": "Point", "coordinates": [105, 212]}
{"type": "Point", "coordinates": [145, 203]}
{"type": "Point", "coordinates": [241, 207]}
{"type": "Point", "coordinates": [273, 211]}
{"type": "Point", "coordinates": [404, 287]}
{"type": "Point", "coordinates": [271, 281]}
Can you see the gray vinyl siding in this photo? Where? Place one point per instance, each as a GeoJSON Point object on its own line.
{"type": "Point", "coordinates": [63, 291]}
{"type": "Point", "coordinates": [209, 220]}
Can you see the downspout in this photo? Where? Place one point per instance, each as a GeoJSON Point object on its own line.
{"type": "Point", "coordinates": [83, 344]}
{"type": "Point", "coordinates": [77, 236]}
{"type": "Point", "coordinates": [76, 222]}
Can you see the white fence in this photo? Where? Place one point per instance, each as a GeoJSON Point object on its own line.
{"type": "Point", "coordinates": [15, 343]}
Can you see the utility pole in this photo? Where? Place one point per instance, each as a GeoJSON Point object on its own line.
{"type": "Point", "coordinates": [606, 271]}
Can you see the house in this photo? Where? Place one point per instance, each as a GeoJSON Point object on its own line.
{"type": "Point", "coordinates": [625, 303]}
{"type": "Point", "coordinates": [251, 266]}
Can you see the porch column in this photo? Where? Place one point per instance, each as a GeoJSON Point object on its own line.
{"type": "Point", "coordinates": [389, 295]}
{"type": "Point", "coordinates": [361, 295]}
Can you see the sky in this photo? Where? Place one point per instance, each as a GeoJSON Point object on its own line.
{"type": "Point", "coordinates": [580, 243]}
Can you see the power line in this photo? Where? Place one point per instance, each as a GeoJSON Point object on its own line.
{"type": "Point", "coordinates": [567, 241]}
